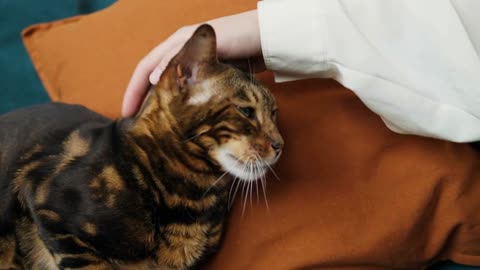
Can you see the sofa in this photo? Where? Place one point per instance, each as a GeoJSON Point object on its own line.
{"type": "Point", "coordinates": [353, 195]}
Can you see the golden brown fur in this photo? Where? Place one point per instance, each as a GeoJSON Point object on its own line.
{"type": "Point", "coordinates": [149, 192]}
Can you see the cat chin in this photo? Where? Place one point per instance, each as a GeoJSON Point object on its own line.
{"type": "Point", "coordinates": [245, 172]}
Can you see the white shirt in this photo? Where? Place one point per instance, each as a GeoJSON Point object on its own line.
{"type": "Point", "coordinates": [413, 62]}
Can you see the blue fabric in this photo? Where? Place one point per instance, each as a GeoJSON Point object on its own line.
{"type": "Point", "coordinates": [20, 85]}
{"type": "Point", "coordinates": [452, 266]}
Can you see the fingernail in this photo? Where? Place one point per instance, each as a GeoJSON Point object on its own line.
{"type": "Point", "coordinates": [155, 76]}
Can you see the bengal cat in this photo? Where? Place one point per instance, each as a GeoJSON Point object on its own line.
{"type": "Point", "coordinates": [80, 191]}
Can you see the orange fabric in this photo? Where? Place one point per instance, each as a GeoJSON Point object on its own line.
{"type": "Point", "coordinates": [352, 194]}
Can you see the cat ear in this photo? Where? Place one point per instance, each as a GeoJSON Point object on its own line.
{"type": "Point", "coordinates": [196, 56]}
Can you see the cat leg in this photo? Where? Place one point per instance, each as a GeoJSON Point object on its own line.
{"type": "Point", "coordinates": [53, 252]}
{"type": "Point", "coordinates": [34, 253]}
{"type": "Point", "coordinates": [70, 252]}
{"type": "Point", "coordinates": [81, 263]}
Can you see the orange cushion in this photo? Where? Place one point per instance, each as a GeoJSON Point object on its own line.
{"type": "Point", "coordinates": [352, 194]}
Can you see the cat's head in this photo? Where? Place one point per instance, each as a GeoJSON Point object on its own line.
{"type": "Point", "coordinates": [219, 108]}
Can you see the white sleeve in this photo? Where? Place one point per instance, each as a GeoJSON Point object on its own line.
{"type": "Point", "coordinates": [414, 63]}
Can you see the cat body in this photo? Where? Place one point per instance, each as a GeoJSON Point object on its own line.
{"type": "Point", "coordinates": [77, 186]}
{"type": "Point", "coordinates": [80, 191]}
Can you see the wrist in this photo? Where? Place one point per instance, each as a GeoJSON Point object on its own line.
{"type": "Point", "coordinates": [238, 36]}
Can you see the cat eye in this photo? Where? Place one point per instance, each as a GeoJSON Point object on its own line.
{"type": "Point", "coordinates": [249, 112]}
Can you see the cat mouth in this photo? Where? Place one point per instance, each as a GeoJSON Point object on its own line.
{"type": "Point", "coordinates": [241, 162]}
{"type": "Point", "coordinates": [245, 170]}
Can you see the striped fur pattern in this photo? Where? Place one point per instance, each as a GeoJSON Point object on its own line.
{"type": "Point", "coordinates": [80, 191]}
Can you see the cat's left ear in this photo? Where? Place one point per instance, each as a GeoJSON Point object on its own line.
{"type": "Point", "coordinates": [196, 57]}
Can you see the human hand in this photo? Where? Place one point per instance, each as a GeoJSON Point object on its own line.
{"type": "Point", "coordinates": [238, 42]}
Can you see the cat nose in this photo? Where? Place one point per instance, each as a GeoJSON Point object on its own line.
{"type": "Point", "coordinates": [277, 146]}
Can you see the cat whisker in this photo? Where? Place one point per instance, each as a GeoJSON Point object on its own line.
{"type": "Point", "coordinates": [256, 182]}
{"type": "Point", "coordinates": [236, 189]}
{"type": "Point", "coordinates": [243, 190]}
{"type": "Point", "coordinates": [252, 170]}
{"type": "Point", "coordinates": [257, 168]}
{"type": "Point", "coordinates": [264, 188]}
{"type": "Point", "coordinates": [193, 137]}
{"type": "Point", "coordinates": [257, 191]}
{"type": "Point", "coordinates": [230, 199]}
{"type": "Point", "coordinates": [230, 192]}
{"type": "Point", "coordinates": [257, 174]}
{"type": "Point", "coordinates": [250, 193]}
{"type": "Point", "coordinates": [245, 186]}
{"type": "Point", "coordinates": [263, 181]}
{"type": "Point", "coordinates": [269, 167]}
{"type": "Point", "coordinates": [237, 185]}
{"type": "Point", "coordinates": [214, 183]}
{"type": "Point", "coordinates": [243, 198]}
{"type": "Point", "coordinates": [254, 176]}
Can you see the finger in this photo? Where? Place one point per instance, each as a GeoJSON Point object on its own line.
{"type": "Point", "coordinates": [155, 75]}
{"type": "Point", "coordinates": [163, 50]}
{"type": "Point", "coordinates": [136, 89]}
{"type": "Point", "coordinates": [139, 82]}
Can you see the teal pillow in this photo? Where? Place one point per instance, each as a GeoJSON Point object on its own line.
{"type": "Point", "coordinates": [453, 266]}
{"type": "Point", "coordinates": [20, 85]}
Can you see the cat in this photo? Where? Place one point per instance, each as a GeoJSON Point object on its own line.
{"type": "Point", "coordinates": [80, 191]}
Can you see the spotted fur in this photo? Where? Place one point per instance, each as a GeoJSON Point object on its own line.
{"type": "Point", "coordinates": [80, 191]}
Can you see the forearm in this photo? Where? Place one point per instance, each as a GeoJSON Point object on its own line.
{"type": "Point", "coordinates": [248, 35]}
{"type": "Point", "coordinates": [413, 63]}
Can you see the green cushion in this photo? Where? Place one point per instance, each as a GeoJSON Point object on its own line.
{"type": "Point", "coordinates": [452, 266]}
{"type": "Point", "coordinates": [20, 85]}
